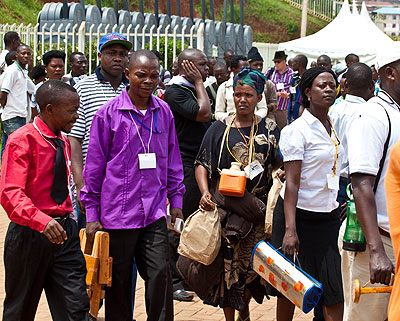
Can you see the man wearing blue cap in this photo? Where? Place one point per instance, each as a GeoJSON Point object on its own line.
{"type": "Point", "coordinates": [107, 82]}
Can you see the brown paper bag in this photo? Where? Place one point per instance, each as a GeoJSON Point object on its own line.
{"type": "Point", "coordinates": [201, 237]}
{"type": "Point", "coordinates": [273, 195]}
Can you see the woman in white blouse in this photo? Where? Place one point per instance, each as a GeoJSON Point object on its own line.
{"type": "Point", "coordinates": [306, 217]}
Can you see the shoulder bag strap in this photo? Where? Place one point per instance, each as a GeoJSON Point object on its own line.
{"type": "Point", "coordinates": [385, 150]}
{"type": "Point", "coordinates": [228, 127]}
{"type": "Point", "coordinates": [270, 72]}
{"type": "Point", "coordinates": [213, 92]}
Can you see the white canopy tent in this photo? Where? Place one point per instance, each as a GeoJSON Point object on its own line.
{"type": "Point", "coordinates": [347, 33]}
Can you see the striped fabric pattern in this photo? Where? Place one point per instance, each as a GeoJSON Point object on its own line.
{"type": "Point", "coordinates": [286, 79]}
{"type": "Point", "coordinates": [94, 91]}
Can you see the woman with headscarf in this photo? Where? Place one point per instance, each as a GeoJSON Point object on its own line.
{"type": "Point", "coordinates": [249, 140]}
{"type": "Point", "coordinates": [306, 217]}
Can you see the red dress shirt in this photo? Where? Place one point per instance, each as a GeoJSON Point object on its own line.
{"type": "Point", "coordinates": [27, 175]}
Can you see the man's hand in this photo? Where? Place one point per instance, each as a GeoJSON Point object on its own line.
{"type": "Point", "coordinates": [78, 200]}
{"type": "Point", "coordinates": [380, 267]}
{"type": "Point", "coordinates": [283, 94]}
{"type": "Point", "coordinates": [92, 228]}
{"type": "Point", "coordinates": [191, 73]}
{"type": "Point", "coordinates": [176, 213]}
{"type": "Point", "coordinates": [54, 232]}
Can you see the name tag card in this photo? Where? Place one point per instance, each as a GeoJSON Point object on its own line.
{"type": "Point", "coordinates": [292, 90]}
{"type": "Point", "coordinates": [333, 182]}
{"type": "Point", "coordinates": [253, 170]}
{"type": "Point", "coordinates": [147, 161]}
{"type": "Point", "coordinates": [280, 86]}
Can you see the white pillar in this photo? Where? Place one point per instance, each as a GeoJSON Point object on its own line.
{"type": "Point", "coordinates": [304, 19]}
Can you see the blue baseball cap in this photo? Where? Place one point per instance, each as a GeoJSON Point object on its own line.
{"type": "Point", "coordinates": [113, 38]}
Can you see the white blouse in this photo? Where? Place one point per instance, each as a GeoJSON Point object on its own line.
{"type": "Point", "coordinates": [306, 139]}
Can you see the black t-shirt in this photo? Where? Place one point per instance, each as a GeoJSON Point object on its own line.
{"type": "Point", "coordinates": [183, 103]}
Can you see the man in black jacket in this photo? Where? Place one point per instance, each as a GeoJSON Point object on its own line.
{"type": "Point", "coordinates": [190, 105]}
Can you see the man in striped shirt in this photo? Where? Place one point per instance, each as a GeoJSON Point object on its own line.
{"type": "Point", "coordinates": [107, 82]}
{"type": "Point", "coordinates": [281, 75]}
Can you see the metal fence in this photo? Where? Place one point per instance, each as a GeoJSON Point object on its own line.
{"type": "Point", "coordinates": [324, 9]}
{"type": "Point", "coordinates": [84, 38]}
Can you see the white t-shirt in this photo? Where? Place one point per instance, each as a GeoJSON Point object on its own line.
{"type": "Point", "coordinates": [366, 140]}
{"type": "Point", "coordinates": [15, 84]}
{"type": "Point", "coordinates": [342, 115]}
{"type": "Point", "coordinates": [306, 139]}
{"type": "Point", "coordinates": [209, 81]}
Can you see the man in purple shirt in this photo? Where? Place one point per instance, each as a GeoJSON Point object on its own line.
{"type": "Point", "coordinates": [281, 75]}
{"type": "Point", "coordinates": [133, 163]}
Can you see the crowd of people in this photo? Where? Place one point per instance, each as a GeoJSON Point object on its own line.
{"type": "Point", "coordinates": [132, 145]}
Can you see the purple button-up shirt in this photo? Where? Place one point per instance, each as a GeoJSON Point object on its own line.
{"type": "Point", "coordinates": [117, 193]}
{"type": "Point", "coordinates": [286, 79]}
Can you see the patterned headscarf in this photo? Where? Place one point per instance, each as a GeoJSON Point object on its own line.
{"type": "Point", "coordinates": [251, 77]}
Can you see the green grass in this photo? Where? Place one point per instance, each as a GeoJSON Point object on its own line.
{"type": "Point", "coordinates": [19, 11]}
{"type": "Point", "coordinates": [272, 20]}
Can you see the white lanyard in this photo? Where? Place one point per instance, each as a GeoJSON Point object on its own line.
{"type": "Point", "coordinates": [140, 136]}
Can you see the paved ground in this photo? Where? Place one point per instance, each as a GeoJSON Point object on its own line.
{"type": "Point", "coordinates": [184, 311]}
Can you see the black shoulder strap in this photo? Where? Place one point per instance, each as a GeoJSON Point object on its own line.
{"type": "Point", "coordinates": [385, 150]}
{"type": "Point", "coordinates": [213, 91]}
{"type": "Point", "coordinates": [72, 81]}
{"type": "Point", "coordinates": [270, 72]}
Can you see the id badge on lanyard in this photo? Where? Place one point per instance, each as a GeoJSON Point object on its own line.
{"type": "Point", "coordinates": [147, 161]}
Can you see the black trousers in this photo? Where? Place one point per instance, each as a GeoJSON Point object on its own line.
{"type": "Point", "coordinates": [32, 264]}
{"type": "Point", "coordinates": [191, 200]}
{"type": "Point", "coordinates": [149, 246]}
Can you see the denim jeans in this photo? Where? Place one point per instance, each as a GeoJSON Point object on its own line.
{"type": "Point", "coordinates": [3, 143]}
{"type": "Point", "coordinates": [12, 124]}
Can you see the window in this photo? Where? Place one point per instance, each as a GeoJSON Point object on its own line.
{"type": "Point", "coordinates": [394, 26]}
{"type": "Point", "coordinates": [393, 33]}
{"type": "Point", "coordinates": [394, 17]}
{"type": "Point", "coordinates": [384, 25]}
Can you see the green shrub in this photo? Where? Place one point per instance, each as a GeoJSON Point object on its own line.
{"type": "Point", "coordinates": [168, 64]}
{"type": "Point", "coordinates": [292, 27]}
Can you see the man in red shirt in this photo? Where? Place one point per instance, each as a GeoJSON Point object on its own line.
{"type": "Point", "coordinates": [41, 249]}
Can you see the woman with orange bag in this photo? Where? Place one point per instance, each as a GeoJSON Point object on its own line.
{"type": "Point", "coordinates": [252, 143]}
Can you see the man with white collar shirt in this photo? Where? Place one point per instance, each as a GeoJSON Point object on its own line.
{"type": "Point", "coordinates": [370, 139]}
{"type": "Point", "coordinates": [359, 87]}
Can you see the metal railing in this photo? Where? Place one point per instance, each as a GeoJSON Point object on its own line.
{"type": "Point", "coordinates": [80, 37]}
{"type": "Point", "coordinates": [323, 9]}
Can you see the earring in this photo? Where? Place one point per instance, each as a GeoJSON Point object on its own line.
{"type": "Point", "coordinates": [309, 98]}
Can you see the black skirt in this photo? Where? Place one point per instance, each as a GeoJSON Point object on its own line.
{"type": "Point", "coordinates": [318, 251]}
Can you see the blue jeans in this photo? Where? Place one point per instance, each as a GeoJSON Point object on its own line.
{"type": "Point", "coordinates": [3, 143]}
{"type": "Point", "coordinates": [12, 124]}
{"type": "Point", "coordinates": [81, 218]}
{"type": "Point", "coordinates": [342, 195]}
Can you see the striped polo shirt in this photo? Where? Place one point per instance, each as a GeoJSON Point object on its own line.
{"type": "Point", "coordinates": [94, 91]}
{"type": "Point", "coordinates": [286, 79]}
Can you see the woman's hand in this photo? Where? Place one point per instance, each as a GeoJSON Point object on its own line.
{"type": "Point", "coordinates": [290, 243]}
{"type": "Point", "coordinates": [205, 202]}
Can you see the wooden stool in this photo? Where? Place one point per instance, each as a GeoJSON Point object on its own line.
{"type": "Point", "coordinates": [358, 290]}
{"type": "Point", "coordinates": [98, 265]}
